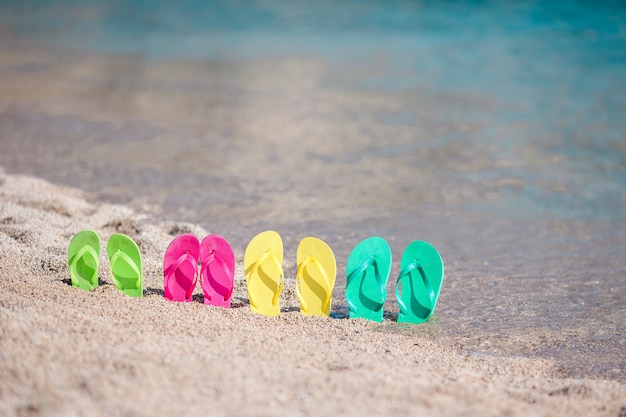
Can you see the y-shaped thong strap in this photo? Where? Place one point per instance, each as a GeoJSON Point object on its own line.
{"type": "Point", "coordinates": [357, 272]}
{"type": "Point", "coordinates": [121, 256]}
{"type": "Point", "coordinates": [213, 256]}
{"type": "Point", "coordinates": [84, 252]}
{"type": "Point", "coordinates": [185, 257]}
{"type": "Point", "coordinates": [414, 266]}
{"type": "Point", "coordinates": [253, 268]}
{"type": "Point", "coordinates": [303, 264]}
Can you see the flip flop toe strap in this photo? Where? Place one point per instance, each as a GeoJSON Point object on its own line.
{"type": "Point", "coordinates": [406, 272]}
{"type": "Point", "coordinates": [299, 274]}
{"type": "Point", "coordinates": [185, 257]}
{"type": "Point", "coordinates": [358, 272]}
{"type": "Point", "coordinates": [257, 265]}
{"type": "Point", "coordinates": [213, 256]}
{"type": "Point", "coordinates": [87, 253]}
{"type": "Point", "coordinates": [120, 256]}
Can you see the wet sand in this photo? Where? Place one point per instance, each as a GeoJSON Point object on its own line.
{"type": "Point", "coordinates": [66, 351]}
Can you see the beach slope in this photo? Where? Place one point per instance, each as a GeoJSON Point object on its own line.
{"type": "Point", "coordinates": [65, 351]}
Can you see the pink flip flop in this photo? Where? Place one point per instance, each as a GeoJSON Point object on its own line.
{"type": "Point", "coordinates": [217, 272]}
{"type": "Point", "coordinates": [180, 268]}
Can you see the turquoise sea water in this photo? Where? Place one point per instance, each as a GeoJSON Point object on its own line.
{"type": "Point", "coordinates": [494, 130]}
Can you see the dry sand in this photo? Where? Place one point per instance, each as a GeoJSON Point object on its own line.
{"type": "Point", "coordinates": [64, 351]}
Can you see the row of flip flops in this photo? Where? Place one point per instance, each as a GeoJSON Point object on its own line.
{"type": "Point", "coordinates": [212, 261]}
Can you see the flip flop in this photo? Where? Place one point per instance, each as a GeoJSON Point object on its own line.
{"type": "Point", "coordinates": [125, 262]}
{"type": "Point", "coordinates": [83, 257]}
{"type": "Point", "coordinates": [180, 268]}
{"type": "Point", "coordinates": [315, 279]}
{"type": "Point", "coordinates": [419, 282]}
{"type": "Point", "coordinates": [367, 272]}
{"type": "Point", "coordinates": [217, 271]}
{"type": "Point", "coordinates": [263, 262]}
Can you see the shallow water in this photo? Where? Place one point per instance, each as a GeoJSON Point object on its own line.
{"type": "Point", "coordinates": [495, 132]}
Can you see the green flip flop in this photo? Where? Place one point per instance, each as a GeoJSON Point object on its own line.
{"type": "Point", "coordinates": [419, 282]}
{"type": "Point", "coordinates": [83, 257]}
{"type": "Point", "coordinates": [125, 261]}
{"type": "Point", "coordinates": [367, 272]}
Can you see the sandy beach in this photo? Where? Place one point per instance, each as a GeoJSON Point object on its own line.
{"type": "Point", "coordinates": [66, 352]}
{"type": "Point", "coordinates": [492, 130]}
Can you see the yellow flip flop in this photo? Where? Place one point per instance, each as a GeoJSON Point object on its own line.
{"type": "Point", "coordinates": [315, 279]}
{"type": "Point", "coordinates": [263, 264]}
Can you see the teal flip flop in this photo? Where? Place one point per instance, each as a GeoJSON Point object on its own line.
{"type": "Point", "coordinates": [125, 262]}
{"type": "Point", "coordinates": [83, 257]}
{"type": "Point", "coordinates": [367, 272]}
{"type": "Point", "coordinates": [419, 282]}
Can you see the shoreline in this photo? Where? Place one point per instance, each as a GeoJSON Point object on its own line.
{"type": "Point", "coordinates": [67, 351]}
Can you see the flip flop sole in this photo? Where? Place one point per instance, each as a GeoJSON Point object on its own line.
{"type": "Point", "coordinates": [317, 272]}
{"type": "Point", "coordinates": [367, 273]}
{"type": "Point", "coordinates": [422, 283]}
{"type": "Point", "coordinates": [263, 261]}
{"type": "Point", "coordinates": [180, 268]}
{"type": "Point", "coordinates": [125, 263]}
{"type": "Point", "coordinates": [218, 270]}
{"type": "Point", "coordinates": [83, 258]}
